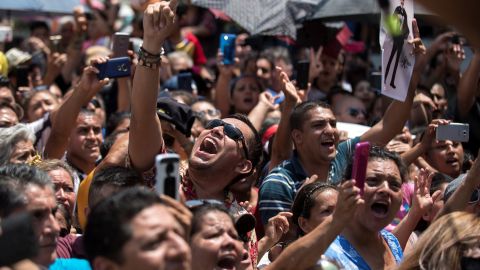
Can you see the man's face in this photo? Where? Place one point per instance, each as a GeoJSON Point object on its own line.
{"type": "Point", "coordinates": [351, 110]}
{"type": "Point", "coordinates": [446, 157]}
{"type": "Point", "coordinates": [331, 67]}
{"type": "Point", "coordinates": [42, 205]}
{"type": "Point", "coordinates": [6, 95]}
{"type": "Point", "coordinates": [64, 191]}
{"type": "Point", "coordinates": [382, 195]}
{"type": "Point", "coordinates": [319, 136]}
{"type": "Point", "coordinates": [157, 242]}
{"type": "Point", "coordinates": [8, 117]}
{"type": "Point", "coordinates": [264, 72]}
{"type": "Point", "coordinates": [40, 104]}
{"type": "Point", "coordinates": [23, 152]}
{"type": "Point", "coordinates": [219, 154]}
{"type": "Point", "coordinates": [86, 138]}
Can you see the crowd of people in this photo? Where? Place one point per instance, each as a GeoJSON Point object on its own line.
{"type": "Point", "coordinates": [265, 166]}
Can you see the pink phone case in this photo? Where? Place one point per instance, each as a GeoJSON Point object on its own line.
{"type": "Point", "coordinates": [360, 161]}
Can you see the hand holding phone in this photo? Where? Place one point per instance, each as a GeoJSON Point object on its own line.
{"type": "Point", "coordinates": [227, 47]}
{"type": "Point", "coordinates": [360, 161]}
{"type": "Point", "coordinates": [114, 68]}
{"type": "Point", "coordinates": [457, 132]}
{"type": "Point", "coordinates": [167, 176]}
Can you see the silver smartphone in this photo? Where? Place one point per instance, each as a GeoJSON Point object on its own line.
{"type": "Point", "coordinates": [121, 42]}
{"type": "Point", "coordinates": [167, 176]}
{"type": "Point", "coordinates": [458, 132]}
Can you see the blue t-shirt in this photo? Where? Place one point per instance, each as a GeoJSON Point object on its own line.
{"type": "Point", "coordinates": [345, 254]}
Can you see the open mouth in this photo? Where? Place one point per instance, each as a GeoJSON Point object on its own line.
{"type": "Point", "coordinates": [226, 263]}
{"type": "Point", "coordinates": [451, 161]}
{"type": "Point", "coordinates": [208, 146]}
{"type": "Point", "coordinates": [380, 209]}
{"type": "Point", "coordinates": [328, 143]}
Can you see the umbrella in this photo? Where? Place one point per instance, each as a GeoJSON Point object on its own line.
{"type": "Point", "coordinates": [37, 7]}
{"type": "Point", "coordinates": [339, 10]}
{"type": "Point", "coordinates": [266, 17]}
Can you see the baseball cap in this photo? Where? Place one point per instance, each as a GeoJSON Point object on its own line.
{"type": "Point", "coordinates": [17, 57]}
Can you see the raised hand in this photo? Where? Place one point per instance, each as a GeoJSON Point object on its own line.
{"type": "Point", "coordinates": [429, 134]}
{"type": "Point", "coordinates": [89, 84]}
{"type": "Point", "coordinates": [267, 100]}
{"type": "Point", "coordinates": [158, 21]}
{"type": "Point", "coordinates": [348, 200]}
{"type": "Point", "coordinates": [287, 87]}
{"type": "Point", "coordinates": [422, 201]}
{"type": "Point", "coordinates": [416, 42]}
{"type": "Point", "coordinates": [277, 227]}
{"type": "Point", "coordinates": [316, 66]}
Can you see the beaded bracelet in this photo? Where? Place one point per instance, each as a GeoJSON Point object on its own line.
{"type": "Point", "coordinates": [148, 59]}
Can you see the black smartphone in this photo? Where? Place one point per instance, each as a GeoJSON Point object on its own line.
{"type": "Point", "coordinates": [455, 39]}
{"type": "Point", "coordinates": [167, 175]}
{"type": "Point", "coordinates": [114, 68]}
{"type": "Point", "coordinates": [121, 42]}
{"type": "Point", "coordinates": [55, 43]}
{"type": "Point", "coordinates": [185, 81]}
{"type": "Point", "coordinates": [303, 68]}
{"type": "Point", "coordinates": [22, 76]}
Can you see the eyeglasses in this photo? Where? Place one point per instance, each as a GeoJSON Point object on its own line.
{"type": "Point", "coordinates": [192, 204]}
{"type": "Point", "coordinates": [210, 112]}
{"type": "Point", "coordinates": [354, 112]}
{"type": "Point", "coordinates": [474, 198]}
{"type": "Point", "coordinates": [231, 131]}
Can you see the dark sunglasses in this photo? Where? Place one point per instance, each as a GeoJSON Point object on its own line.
{"type": "Point", "coordinates": [355, 112]}
{"type": "Point", "coordinates": [474, 198]}
{"type": "Point", "coordinates": [231, 131]}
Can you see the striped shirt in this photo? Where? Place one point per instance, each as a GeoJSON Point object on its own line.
{"type": "Point", "coordinates": [280, 186]}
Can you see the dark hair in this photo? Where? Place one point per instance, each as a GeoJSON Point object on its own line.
{"type": "Point", "coordinates": [38, 24]}
{"type": "Point", "coordinates": [305, 200]}
{"type": "Point", "coordinates": [108, 226]}
{"type": "Point", "coordinates": [114, 120]}
{"type": "Point", "coordinates": [26, 175]}
{"type": "Point", "coordinates": [109, 141]}
{"type": "Point", "coordinates": [246, 76]}
{"type": "Point", "coordinates": [12, 196]}
{"type": "Point", "coordinates": [116, 178]}
{"type": "Point", "coordinates": [382, 154]}
{"type": "Point", "coordinates": [68, 219]}
{"type": "Point", "coordinates": [298, 116]}
{"type": "Point", "coordinates": [199, 212]}
{"type": "Point", "coordinates": [254, 144]}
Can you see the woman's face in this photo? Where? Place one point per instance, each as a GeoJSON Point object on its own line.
{"type": "Point", "coordinates": [325, 202]}
{"type": "Point", "coordinates": [245, 95]}
{"type": "Point", "coordinates": [41, 103]}
{"type": "Point", "coordinates": [446, 156]}
{"type": "Point", "coordinates": [216, 245]}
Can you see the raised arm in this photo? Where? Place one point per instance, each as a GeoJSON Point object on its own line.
{"type": "Point", "coordinates": [64, 117]}
{"type": "Point", "coordinates": [266, 104]}
{"type": "Point", "coordinates": [306, 251]}
{"type": "Point", "coordinates": [467, 87]}
{"type": "Point", "coordinates": [399, 112]}
{"type": "Point", "coordinates": [222, 88]}
{"type": "Point", "coordinates": [282, 143]}
{"type": "Point", "coordinates": [145, 130]}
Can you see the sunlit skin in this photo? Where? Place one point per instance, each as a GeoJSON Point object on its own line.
{"type": "Point", "coordinates": [446, 156]}
{"type": "Point", "coordinates": [41, 103]}
{"type": "Point", "coordinates": [245, 95]}
{"type": "Point", "coordinates": [8, 117]}
{"type": "Point", "coordinates": [23, 152]}
{"type": "Point", "coordinates": [216, 241]}
{"type": "Point", "coordinates": [64, 190]}
{"type": "Point", "coordinates": [41, 202]}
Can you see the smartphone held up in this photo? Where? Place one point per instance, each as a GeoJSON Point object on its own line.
{"type": "Point", "coordinates": [227, 48]}
{"type": "Point", "coordinates": [167, 176]}
{"type": "Point", "coordinates": [360, 161]}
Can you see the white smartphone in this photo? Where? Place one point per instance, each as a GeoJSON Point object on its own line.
{"type": "Point", "coordinates": [6, 33]}
{"type": "Point", "coordinates": [458, 132]}
{"type": "Point", "coordinates": [167, 176]}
